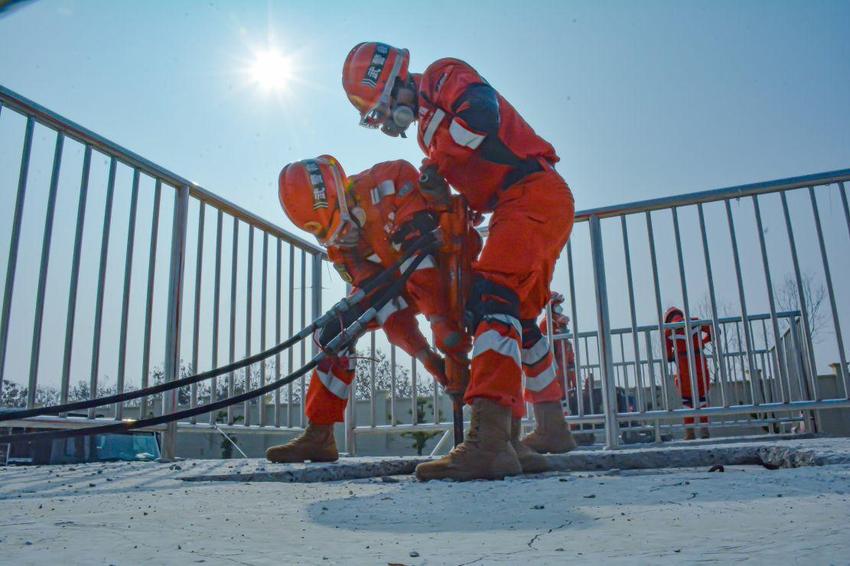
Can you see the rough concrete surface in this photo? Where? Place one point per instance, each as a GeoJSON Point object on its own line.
{"type": "Point", "coordinates": [132, 513]}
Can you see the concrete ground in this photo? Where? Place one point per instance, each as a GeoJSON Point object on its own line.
{"type": "Point", "coordinates": [132, 513]}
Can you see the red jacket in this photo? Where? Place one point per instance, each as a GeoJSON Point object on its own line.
{"type": "Point", "coordinates": [450, 143]}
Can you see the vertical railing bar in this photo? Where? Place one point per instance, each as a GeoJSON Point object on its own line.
{"type": "Point", "coordinates": [277, 335]}
{"type": "Point", "coordinates": [75, 278]}
{"type": "Point", "coordinates": [125, 304]}
{"type": "Point", "coordinates": [606, 362]}
{"type": "Point", "coordinates": [659, 310]}
{"type": "Point", "coordinates": [372, 368]}
{"type": "Point", "coordinates": [393, 415]}
{"type": "Point", "coordinates": [14, 241]}
{"type": "Point", "coordinates": [576, 343]}
{"type": "Point", "coordinates": [101, 283]}
{"type": "Point", "coordinates": [689, 342]}
{"type": "Point", "coordinates": [216, 308]}
{"type": "Point", "coordinates": [771, 375]}
{"type": "Point", "coordinates": [831, 292]}
{"type": "Point", "coordinates": [149, 296]}
{"type": "Point", "coordinates": [173, 323]}
{"type": "Point", "coordinates": [650, 363]}
{"type": "Point", "coordinates": [801, 297]}
{"type": "Point", "coordinates": [196, 318]}
{"type": "Point", "coordinates": [249, 308]}
{"type": "Point", "coordinates": [748, 341]}
{"type": "Point", "coordinates": [234, 258]}
{"type": "Point", "coordinates": [770, 302]}
{"type": "Point", "coordinates": [589, 375]}
{"type": "Point", "coordinates": [291, 322]}
{"type": "Point", "coordinates": [719, 352]}
{"type": "Point", "coordinates": [633, 315]}
{"type": "Point", "coordinates": [413, 399]}
{"type": "Point", "coordinates": [263, 321]}
{"type": "Point", "coordinates": [302, 381]}
{"type": "Point", "coordinates": [42, 272]}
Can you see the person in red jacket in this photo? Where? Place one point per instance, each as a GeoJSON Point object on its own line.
{"type": "Point", "coordinates": [549, 425]}
{"type": "Point", "coordinates": [677, 351]}
{"type": "Point", "coordinates": [476, 141]}
{"type": "Point", "coordinates": [360, 220]}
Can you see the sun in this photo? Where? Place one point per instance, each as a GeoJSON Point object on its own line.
{"type": "Point", "coordinates": [271, 70]}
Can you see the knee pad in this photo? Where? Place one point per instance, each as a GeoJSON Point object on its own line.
{"type": "Point", "coordinates": [488, 298]}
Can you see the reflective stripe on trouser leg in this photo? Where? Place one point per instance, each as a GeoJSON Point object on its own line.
{"type": "Point", "coordinates": [496, 363]}
{"type": "Point", "coordinates": [541, 374]}
{"type": "Point", "coordinates": [330, 385]}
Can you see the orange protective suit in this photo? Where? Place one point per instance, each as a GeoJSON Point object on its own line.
{"type": "Point", "coordinates": [383, 199]}
{"type": "Point", "coordinates": [509, 171]}
{"type": "Point", "coordinates": [677, 350]}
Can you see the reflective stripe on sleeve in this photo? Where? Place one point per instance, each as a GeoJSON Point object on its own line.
{"type": "Point", "coordinates": [426, 263]}
{"type": "Point", "coordinates": [491, 340]}
{"type": "Point", "coordinates": [436, 119]}
{"type": "Point", "coordinates": [391, 307]}
{"type": "Point", "coordinates": [464, 137]}
{"type": "Point", "coordinates": [384, 188]}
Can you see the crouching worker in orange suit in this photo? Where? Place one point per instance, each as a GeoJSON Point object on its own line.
{"type": "Point", "coordinates": [478, 143]}
{"type": "Point", "coordinates": [677, 351]}
{"type": "Point", "coordinates": [551, 433]}
{"type": "Point", "coordinates": [366, 222]}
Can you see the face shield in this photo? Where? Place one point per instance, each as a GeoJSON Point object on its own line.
{"type": "Point", "coordinates": [392, 121]}
{"type": "Point", "coordinates": [345, 226]}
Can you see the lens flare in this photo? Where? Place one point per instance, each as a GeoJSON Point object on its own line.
{"type": "Point", "coordinates": [271, 70]}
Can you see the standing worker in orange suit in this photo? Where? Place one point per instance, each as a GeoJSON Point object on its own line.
{"type": "Point", "coordinates": [677, 351]}
{"type": "Point", "coordinates": [476, 141]}
{"type": "Point", "coordinates": [366, 222]}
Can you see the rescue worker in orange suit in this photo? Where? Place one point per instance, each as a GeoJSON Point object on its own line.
{"type": "Point", "coordinates": [359, 220]}
{"type": "Point", "coordinates": [478, 143]}
{"type": "Point", "coordinates": [677, 351]}
{"type": "Point", "coordinates": [540, 440]}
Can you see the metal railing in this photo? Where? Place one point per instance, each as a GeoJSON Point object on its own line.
{"type": "Point", "coordinates": [618, 337]}
{"type": "Point", "coordinates": [203, 227]}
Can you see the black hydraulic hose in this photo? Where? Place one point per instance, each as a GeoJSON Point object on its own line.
{"type": "Point", "coordinates": [342, 306]}
{"type": "Point", "coordinates": [340, 342]}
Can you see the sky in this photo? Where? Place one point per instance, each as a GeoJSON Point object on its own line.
{"type": "Point", "coordinates": [640, 100]}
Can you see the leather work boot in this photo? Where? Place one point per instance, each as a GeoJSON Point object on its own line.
{"type": "Point", "coordinates": [531, 461]}
{"type": "Point", "coordinates": [690, 434]}
{"type": "Point", "coordinates": [317, 444]}
{"type": "Point", "coordinates": [551, 435]}
{"type": "Point", "coordinates": [485, 454]}
{"type": "Point", "coordinates": [704, 433]}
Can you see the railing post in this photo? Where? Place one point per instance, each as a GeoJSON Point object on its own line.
{"type": "Point", "coordinates": [606, 362]}
{"type": "Point", "coordinates": [175, 302]}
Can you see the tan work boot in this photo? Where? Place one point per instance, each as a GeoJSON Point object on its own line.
{"type": "Point", "coordinates": [531, 461]}
{"type": "Point", "coordinates": [486, 454]}
{"type": "Point", "coordinates": [551, 435]}
{"type": "Point", "coordinates": [317, 444]}
{"type": "Point", "coordinates": [690, 434]}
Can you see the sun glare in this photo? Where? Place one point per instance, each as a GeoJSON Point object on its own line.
{"type": "Point", "coordinates": [271, 70]}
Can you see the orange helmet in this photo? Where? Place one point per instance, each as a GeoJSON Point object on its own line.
{"type": "Point", "coordinates": [368, 77]}
{"type": "Point", "coordinates": [672, 312]}
{"type": "Point", "coordinates": [312, 193]}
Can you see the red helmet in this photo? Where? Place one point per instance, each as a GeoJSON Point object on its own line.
{"type": "Point", "coordinates": [672, 313]}
{"type": "Point", "coordinates": [368, 76]}
{"type": "Point", "coordinates": [312, 193]}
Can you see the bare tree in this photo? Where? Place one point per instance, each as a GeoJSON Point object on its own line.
{"type": "Point", "coordinates": [814, 293]}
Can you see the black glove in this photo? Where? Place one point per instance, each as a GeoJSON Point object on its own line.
{"type": "Point", "coordinates": [422, 223]}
